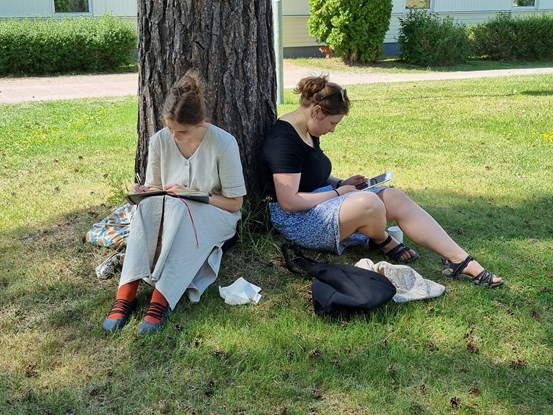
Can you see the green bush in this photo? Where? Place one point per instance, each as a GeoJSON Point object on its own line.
{"type": "Point", "coordinates": [354, 29]}
{"type": "Point", "coordinates": [508, 38]}
{"type": "Point", "coordinates": [68, 45]}
{"type": "Point", "coordinates": [425, 39]}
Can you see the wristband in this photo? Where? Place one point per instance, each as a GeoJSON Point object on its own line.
{"type": "Point", "coordinates": [339, 183]}
{"type": "Point", "coordinates": [336, 192]}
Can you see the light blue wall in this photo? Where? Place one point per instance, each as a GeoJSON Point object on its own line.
{"type": "Point", "coordinates": [26, 8]}
{"type": "Point", "coordinates": [45, 8]}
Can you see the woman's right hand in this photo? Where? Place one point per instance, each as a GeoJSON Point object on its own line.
{"type": "Point", "coordinates": [138, 188]}
{"type": "Point", "coordinates": [354, 180]}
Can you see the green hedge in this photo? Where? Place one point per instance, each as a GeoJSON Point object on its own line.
{"type": "Point", "coordinates": [68, 45]}
{"type": "Point", "coordinates": [509, 38]}
{"type": "Point", "coordinates": [425, 39]}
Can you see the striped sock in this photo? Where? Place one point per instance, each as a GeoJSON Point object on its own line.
{"type": "Point", "coordinates": [158, 304]}
{"type": "Point", "coordinates": [126, 293]}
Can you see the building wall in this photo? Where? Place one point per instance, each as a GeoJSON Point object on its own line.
{"type": "Point", "coordinates": [26, 8]}
{"type": "Point", "coordinates": [115, 7]}
{"type": "Point", "coordinates": [45, 8]}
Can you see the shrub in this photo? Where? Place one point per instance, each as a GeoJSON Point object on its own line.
{"type": "Point", "coordinates": [354, 29]}
{"type": "Point", "coordinates": [46, 46]}
{"type": "Point", "coordinates": [425, 39]}
{"type": "Point", "coordinates": [508, 38]}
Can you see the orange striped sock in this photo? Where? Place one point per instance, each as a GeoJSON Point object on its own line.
{"type": "Point", "coordinates": [128, 291]}
{"type": "Point", "coordinates": [125, 295]}
{"type": "Point", "coordinates": [158, 303]}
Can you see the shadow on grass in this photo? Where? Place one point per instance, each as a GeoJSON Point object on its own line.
{"type": "Point", "coordinates": [277, 350]}
{"type": "Point", "coordinates": [538, 93]}
{"type": "Point", "coordinates": [472, 65]}
{"type": "Point", "coordinates": [129, 68]}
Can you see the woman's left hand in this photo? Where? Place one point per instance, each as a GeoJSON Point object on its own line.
{"type": "Point", "coordinates": [354, 180]}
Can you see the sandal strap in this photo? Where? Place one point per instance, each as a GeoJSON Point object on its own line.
{"type": "Point", "coordinates": [396, 252]}
{"type": "Point", "coordinates": [457, 268]}
{"type": "Point", "coordinates": [382, 244]}
{"type": "Point", "coordinates": [484, 278]}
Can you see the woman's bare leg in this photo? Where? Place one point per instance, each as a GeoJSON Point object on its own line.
{"type": "Point", "coordinates": [423, 229]}
{"type": "Point", "coordinates": [365, 212]}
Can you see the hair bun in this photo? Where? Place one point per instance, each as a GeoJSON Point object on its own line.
{"type": "Point", "coordinates": [185, 102]}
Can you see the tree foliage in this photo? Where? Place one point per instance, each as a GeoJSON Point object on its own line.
{"type": "Point", "coordinates": [354, 29]}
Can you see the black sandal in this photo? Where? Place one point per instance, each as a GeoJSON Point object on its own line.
{"type": "Point", "coordinates": [485, 278]}
{"type": "Point", "coordinates": [396, 252]}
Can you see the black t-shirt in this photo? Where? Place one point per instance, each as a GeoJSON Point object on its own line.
{"type": "Point", "coordinates": [284, 151]}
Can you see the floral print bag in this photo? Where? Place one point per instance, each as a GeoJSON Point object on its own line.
{"type": "Point", "coordinates": [113, 230]}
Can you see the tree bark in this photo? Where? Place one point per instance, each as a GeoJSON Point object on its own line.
{"type": "Point", "coordinates": [230, 42]}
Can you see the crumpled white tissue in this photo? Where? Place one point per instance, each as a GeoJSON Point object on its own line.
{"type": "Point", "coordinates": [240, 292]}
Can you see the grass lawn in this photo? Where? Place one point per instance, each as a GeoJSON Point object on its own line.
{"type": "Point", "coordinates": [477, 154]}
{"type": "Point", "coordinates": [395, 65]}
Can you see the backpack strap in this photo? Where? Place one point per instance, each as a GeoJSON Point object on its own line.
{"type": "Point", "coordinates": [294, 256]}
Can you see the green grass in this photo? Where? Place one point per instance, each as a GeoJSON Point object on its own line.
{"type": "Point", "coordinates": [477, 154]}
{"type": "Point", "coordinates": [395, 65]}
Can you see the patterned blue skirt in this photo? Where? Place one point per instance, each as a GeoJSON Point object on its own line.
{"type": "Point", "coordinates": [319, 227]}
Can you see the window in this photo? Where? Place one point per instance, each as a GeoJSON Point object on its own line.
{"type": "Point", "coordinates": [417, 4]}
{"type": "Point", "coordinates": [71, 6]}
{"type": "Point", "coordinates": [524, 3]}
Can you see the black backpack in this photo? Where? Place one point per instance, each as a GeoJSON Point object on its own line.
{"type": "Point", "coordinates": [339, 288]}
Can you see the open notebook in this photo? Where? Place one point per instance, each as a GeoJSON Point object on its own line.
{"type": "Point", "coordinates": [198, 196]}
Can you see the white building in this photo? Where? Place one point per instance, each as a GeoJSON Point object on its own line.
{"type": "Point", "coordinates": [297, 41]}
{"type": "Point", "coordinates": [295, 37]}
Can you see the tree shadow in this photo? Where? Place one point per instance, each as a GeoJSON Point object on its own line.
{"type": "Point", "coordinates": [470, 66]}
{"type": "Point", "coordinates": [537, 93]}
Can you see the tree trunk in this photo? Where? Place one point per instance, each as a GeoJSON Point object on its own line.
{"type": "Point", "coordinates": [231, 44]}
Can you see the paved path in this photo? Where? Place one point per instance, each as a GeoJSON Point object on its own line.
{"type": "Point", "coordinates": [14, 90]}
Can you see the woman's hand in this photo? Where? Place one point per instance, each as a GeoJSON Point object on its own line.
{"type": "Point", "coordinates": [173, 187]}
{"type": "Point", "coordinates": [138, 188]}
{"type": "Point", "coordinates": [354, 180]}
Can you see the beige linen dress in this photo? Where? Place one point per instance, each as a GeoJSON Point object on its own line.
{"type": "Point", "coordinates": [191, 233]}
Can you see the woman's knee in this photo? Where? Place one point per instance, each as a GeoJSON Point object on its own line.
{"type": "Point", "coordinates": [363, 203]}
{"type": "Point", "coordinates": [396, 202]}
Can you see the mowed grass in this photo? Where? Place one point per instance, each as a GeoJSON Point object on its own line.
{"type": "Point", "coordinates": [477, 154]}
{"type": "Point", "coordinates": [396, 65]}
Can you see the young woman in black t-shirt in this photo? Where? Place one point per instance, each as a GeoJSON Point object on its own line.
{"type": "Point", "coordinates": [319, 211]}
